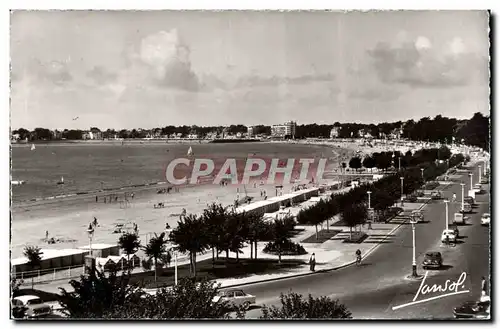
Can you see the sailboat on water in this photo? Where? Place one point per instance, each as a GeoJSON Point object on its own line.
{"type": "Point", "coordinates": [61, 181]}
{"type": "Point", "coordinates": [33, 147]}
{"type": "Point", "coordinates": [190, 151]}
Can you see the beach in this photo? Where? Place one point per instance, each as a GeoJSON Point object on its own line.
{"type": "Point", "coordinates": [85, 166]}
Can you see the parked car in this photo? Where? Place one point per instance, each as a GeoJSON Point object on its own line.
{"type": "Point", "coordinates": [436, 195]}
{"type": "Point", "coordinates": [469, 200]}
{"type": "Point", "coordinates": [472, 310]}
{"type": "Point", "coordinates": [467, 208]}
{"type": "Point", "coordinates": [485, 219]}
{"type": "Point", "coordinates": [432, 259]}
{"type": "Point", "coordinates": [410, 198]}
{"type": "Point", "coordinates": [34, 306]}
{"type": "Point", "coordinates": [235, 298]}
{"type": "Point", "coordinates": [460, 219]}
{"type": "Point", "coordinates": [452, 237]}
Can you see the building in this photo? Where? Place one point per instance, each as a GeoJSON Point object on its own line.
{"type": "Point", "coordinates": [286, 130]}
{"type": "Point", "coordinates": [56, 134]}
{"type": "Point", "coordinates": [250, 131]}
{"type": "Point", "coordinates": [335, 132]}
{"type": "Point", "coordinates": [94, 133]}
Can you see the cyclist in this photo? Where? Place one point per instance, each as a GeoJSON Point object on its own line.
{"type": "Point", "coordinates": [358, 256]}
{"type": "Point", "coordinates": [447, 240]}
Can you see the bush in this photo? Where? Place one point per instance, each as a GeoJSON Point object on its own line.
{"type": "Point", "coordinates": [289, 248]}
{"type": "Point", "coordinates": [147, 264]}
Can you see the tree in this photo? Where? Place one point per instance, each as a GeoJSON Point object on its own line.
{"type": "Point", "coordinates": [258, 230]}
{"type": "Point", "coordinates": [96, 295]}
{"type": "Point", "coordinates": [354, 214]}
{"type": "Point", "coordinates": [130, 243]}
{"type": "Point", "coordinates": [34, 256]}
{"type": "Point", "coordinates": [281, 235]}
{"type": "Point", "coordinates": [369, 162]}
{"type": "Point", "coordinates": [294, 306]}
{"type": "Point", "coordinates": [355, 163]}
{"type": "Point", "coordinates": [155, 249]}
{"type": "Point", "coordinates": [189, 299]}
{"type": "Point", "coordinates": [214, 216]}
{"type": "Point", "coordinates": [190, 235]}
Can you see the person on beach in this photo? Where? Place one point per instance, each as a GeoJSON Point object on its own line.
{"type": "Point", "coordinates": [46, 235]}
{"type": "Point", "coordinates": [312, 262]}
{"type": "Point", "coordinates": [96, 199]}
{"type": "Point", "coordinates": [167, 227]}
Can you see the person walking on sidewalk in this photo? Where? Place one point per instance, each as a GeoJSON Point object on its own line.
{"type": "Point", "coordinates": [312, 262]}
{"type": "Point", "coordinates": [483, 284]}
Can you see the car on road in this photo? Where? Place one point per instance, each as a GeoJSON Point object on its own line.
{"type": "Point", "coordinates": [469, 200]}
{"type": "Point", "coordinates": [472, 310]}
{"type": "Point", "coordinates": [436, 195]}
{"type": "Point", "coordinates": [410, 198]}
{"type": "Point", "coordinates": [467, 208]}
{"type": "Point", "coordinates": [432, 259]}
{"type": "Point", "coordinates": [236, 298]}
{"type": "Point", "coordinates": [34, 306]}
{"type": "Point", "coordinates": [485, 219]}
{"type": "Point", "coordinates": [452, 237]}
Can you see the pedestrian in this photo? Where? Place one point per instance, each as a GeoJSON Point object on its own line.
{"type": "Point", "coordinates": [46, 235]}
{"type": "Point", "coordinates": [483, 284]}
{"type": "Point", "coordinates": [312, 262]}
{"type": "Point", "coordinates": [96, 199]}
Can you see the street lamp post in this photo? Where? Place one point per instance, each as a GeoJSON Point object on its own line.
{"type": "Point", "coordinates": [479, 182]}
{"type": "Point", "coordinates": [446, 218]}
{"type": "Point", "coordinates": [369, 204]}
{"type": "Point", "coordinates": [463, 185]}
{"type": "Point", "coordinates": [90, 232]}
{"type": "Point", "coordinates": [414, 260]}
{"type": "Point", "coordinates": [399, 160]}
{"type": "Point", "coordinates": [471, 185]}
{"type": "Point", "coordinates": [422, 170]}
{"type": "Point", "coordinates": [402, 179]}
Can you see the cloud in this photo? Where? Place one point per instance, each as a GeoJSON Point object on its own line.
{"type": "Point", "coordinates": [254, 81]}
{"type": "Point", "coordinates": [100, 75]}
{"type": "Point", "coordinates": [166, 61]}
{"type": "Point", "coordinates": [56, 72]}
{"type": "Point", "coordinates": [419, 64]}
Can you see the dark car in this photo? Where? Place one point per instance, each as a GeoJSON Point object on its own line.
{"type": "Point", "coordinates": [469, 200]}
{"type": "Point", "coordinates": [410, 198]}
{"type": "Point", "coordinates": [432, 259]}
{"type": "Point", "coordinates": [472, 310]}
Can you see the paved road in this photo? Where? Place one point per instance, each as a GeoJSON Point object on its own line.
{"type": "Point", "coordinates": [371, 290]}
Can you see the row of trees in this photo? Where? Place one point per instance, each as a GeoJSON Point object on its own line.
{"type": "Point", "coordinates": [386, 160]}
{"type": "Point", "coordinates": [385, 192]}
{"type": "Point", "coordinates": [475, 131]}
{"type": "Point", "coordinates": [112, 297]}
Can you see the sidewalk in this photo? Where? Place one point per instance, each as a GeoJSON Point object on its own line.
{"type": "Point", "coordinates": [330, 255]}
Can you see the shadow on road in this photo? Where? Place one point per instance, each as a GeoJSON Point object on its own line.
{"type": "Point", "coordinates": [442, 268]}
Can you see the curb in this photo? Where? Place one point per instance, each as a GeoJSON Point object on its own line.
{"type": "Point", "coordinates": [372, 249]}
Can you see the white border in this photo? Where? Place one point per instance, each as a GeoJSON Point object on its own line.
{"type": "Point", "coordinates": [185, 4]}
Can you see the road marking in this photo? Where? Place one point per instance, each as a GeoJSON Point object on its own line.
{"type": "Point", "coordinates": [429, 299]}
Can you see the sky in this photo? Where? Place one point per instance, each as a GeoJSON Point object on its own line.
{"type": "Point", "coordinates": [145, 69]}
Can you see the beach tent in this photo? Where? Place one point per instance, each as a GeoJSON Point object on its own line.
{"type": "Point", "coordinates": [120, 261]}
{"type": "Point", "coordinates": [135, 261]}
{"type": "Point", "coordinates": [106, 263]}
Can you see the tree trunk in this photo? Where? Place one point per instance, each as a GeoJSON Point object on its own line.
{"type": "Point", "coordinates": [350, 232]}
{"type": "Point", "coordinates": [194, 264]}
{"type": "Point", "coordinates": [255, 244]}
{"type": "Point", "coordinates": [217, 253]}
{"type": "Point", "coordinates": [128, 264]}
{"type": "Point", "coordinates": [213, 257]}
{"type": "Point", "coordinates": [237, 256]}
{"type": "Point", "coordinates": [251, 250]}
{"type": "Point", "coordinates": [317, 236]}
{"type": "Point", "coordinates": [155, 268]}
{"type": "Point", "coordinates": [279, 257]}
{"type": "Point", "coordinates": [328, 224]}
{"type": "Point", "coordinates": [227, 254]}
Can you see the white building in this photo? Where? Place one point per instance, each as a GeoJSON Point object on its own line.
{"type": "Point", "coordinates": [334, 133]}
{"type": "Point", "coordinates": [287, 129]}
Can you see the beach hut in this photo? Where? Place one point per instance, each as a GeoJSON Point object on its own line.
{"type": "Point", "coordinates": [120, 261]}
{"type": "Point", "coordinates": [106, 264]}
{"type": "Point", "coordinates": [134, 261]}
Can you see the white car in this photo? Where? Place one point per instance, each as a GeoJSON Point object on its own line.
{"type": "Point", "coordinates": [34, 305]}
{"type": "Point", "coordinates": [235, 298]}
{"type": "Point", "coordinates": [485, 219]}
{"type": "Point", "coordinates": [452, 237]}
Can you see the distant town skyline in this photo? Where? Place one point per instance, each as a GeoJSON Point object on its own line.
{"type": "Point", "coordinates": [147, 69]}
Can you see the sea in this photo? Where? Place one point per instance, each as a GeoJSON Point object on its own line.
{"type": "Point", "coordinates": [92, 167]}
